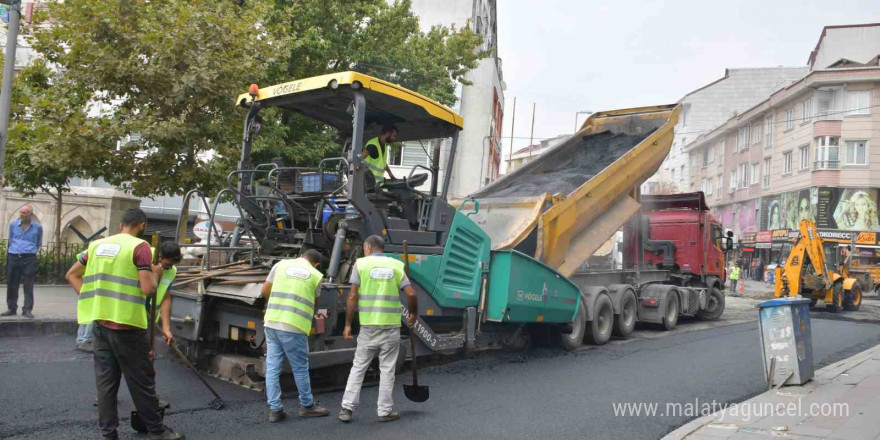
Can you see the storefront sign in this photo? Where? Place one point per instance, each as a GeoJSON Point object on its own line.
{"type": "Point", "coordinates": [748, 237]}
{"type": "Point", "coordinates": [764, 236]}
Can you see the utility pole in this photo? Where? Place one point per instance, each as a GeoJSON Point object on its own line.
{"type": "Point", "coordinates": [8, 72]}
{"type": "Point", "coordinates": [512, 120]}
{"type": "Point", "coordinates": [532, 136]}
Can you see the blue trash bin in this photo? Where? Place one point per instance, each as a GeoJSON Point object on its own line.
{"type": "Point", "coordinates": [786, 336]}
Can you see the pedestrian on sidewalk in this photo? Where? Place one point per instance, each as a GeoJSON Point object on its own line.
{"type": "Point", "coordinates": [113, 279]}
{"type": "Point", "coordinates": [25, 239]}
{"type": "Point", "coordinates": [376, 281]}
{"type": "Point", "coordinates": [291, 289]}
{"type": "Point", "coordinates": [734, 277]}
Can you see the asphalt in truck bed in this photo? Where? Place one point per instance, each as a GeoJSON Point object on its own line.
{"type": "Point", "coordinates": [47, 390]}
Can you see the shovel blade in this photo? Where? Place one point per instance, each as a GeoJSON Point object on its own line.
{"type": "Point", "coordinates": [416, 393]}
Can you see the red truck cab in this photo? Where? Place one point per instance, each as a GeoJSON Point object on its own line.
{"type": "Point", "coordinates": [676, 232]}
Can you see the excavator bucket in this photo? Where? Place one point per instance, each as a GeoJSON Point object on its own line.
{"type": "Point", "coordinates": [562, 206]}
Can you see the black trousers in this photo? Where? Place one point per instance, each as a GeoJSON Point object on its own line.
{"type": "Point", "coordinates": [20, 269]}
{"type": "Point", "coordinates": [118, 353]}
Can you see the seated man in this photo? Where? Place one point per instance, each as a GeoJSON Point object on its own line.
{"type": "Point", "coordinates": [375, 153]}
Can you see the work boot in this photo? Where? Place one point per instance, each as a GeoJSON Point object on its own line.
{"type": "Point", "coordinates": [27, 315]}
{"type": "Point", "coordinates": [390, 417]}
{"type": "Point", "coordinates": [163, 404]}
{"type": "Point", "coordinates": [8, 313]}
{"type": "Point", "coordinates": [167, 434]}
{"type": "Point", "coordinates": [277, 416]}
{"type": "Point", "coordinates": [345, 415]}
{"type": "Point", "coordinates": [113, 436]}
{"type": "Point", "coordinates": [86, 346]}
{"type": "Point", "coordinates": [313, 411]}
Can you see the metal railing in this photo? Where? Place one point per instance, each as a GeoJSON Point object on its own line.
{"type": "Point", "coordinates": [826, 165]}
{"type": "Point", "coordinates": [50, 270]}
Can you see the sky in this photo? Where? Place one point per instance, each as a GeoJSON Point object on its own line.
{"type": "Point", "coordinates": [567, 56]}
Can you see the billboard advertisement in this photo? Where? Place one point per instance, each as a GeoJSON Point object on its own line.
{"type": "Point", "coordinates": [853, 209]}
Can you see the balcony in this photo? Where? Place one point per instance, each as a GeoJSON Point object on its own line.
{"type": "Point", "coordinates": [827, 128]}
{"type": "Point", "coordinates": [826, 165]}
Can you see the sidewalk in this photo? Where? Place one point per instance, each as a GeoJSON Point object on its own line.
{"type": "Point", "coordinates": [54, 312]}
{"type": "Point", "coordinates": [841, 402]}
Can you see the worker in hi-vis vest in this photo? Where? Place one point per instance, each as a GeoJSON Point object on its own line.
{"type": "Point", "coordinates": [375, 153]}
{"type": "Point", "coordinates": [291, 289]}
{"type": "Point", "coordinates": [166, 272]}
{"type": "Point", "coordinates": [376, 281]}
{"type": "Point", "coordinates": [113, 279]}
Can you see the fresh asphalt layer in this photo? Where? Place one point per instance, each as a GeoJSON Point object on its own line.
{"type": "Point", "coordinates": [47, 390]}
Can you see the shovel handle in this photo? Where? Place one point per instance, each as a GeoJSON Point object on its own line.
{"type": "Point", "coordinates": [193, 368]}
{"type": "Point", "coordinates": [412, 334]}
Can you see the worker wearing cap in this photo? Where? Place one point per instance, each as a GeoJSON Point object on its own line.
{"type": "Point", "coordinates": [375, 153]}
{"type": "Point", "coordinates": [291, 289]}
{"type": "Point", "coordinates": [113, 279]}
{"type": "Point", "coordinates": [376, 281]}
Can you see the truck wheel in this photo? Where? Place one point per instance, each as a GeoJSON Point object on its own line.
{"type": "Point", "coordinates": [852, 298]}
{"type": "Point", "coordinates": [714, 308]}
{"type": "Point", "coordinates": [599, 329]}
{"type": "Point", "coordinates": [836, 298]}
{"type": "Point", "coordinates": [670, 318]}
{"type": "Point", "coordinates": [575, 339]}
{"type": "Point", "coordinates": [625, 322]}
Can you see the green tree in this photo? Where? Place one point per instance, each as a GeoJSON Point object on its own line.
{"type": "Point", "coordinates": [56, 134]}
{"type": "Point", "coordinates": [169, 70]}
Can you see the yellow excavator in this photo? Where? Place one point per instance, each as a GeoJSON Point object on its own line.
{"type": "Point", "coordinates": [806, 273]}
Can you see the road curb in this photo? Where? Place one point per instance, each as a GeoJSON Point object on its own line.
{"type": "Point", "coordinates": [821, 376]}
{"type": "Point", "coordinates": [32, 327]}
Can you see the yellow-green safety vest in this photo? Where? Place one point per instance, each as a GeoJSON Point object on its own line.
{"type": "Point", "coordinates": [292, 300]}
{"type": "Point", "coordinates": [377, 165]}
{"type": "Point", "coordinates": [111, 290]}
{"type": "Point", "coordinates": [378, 295]}
{"type": "Point", "coordinates": [168, 277]}
{"type": "Point", "coordinates": [734, 274]}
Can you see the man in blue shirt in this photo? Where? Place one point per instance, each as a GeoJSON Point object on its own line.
{"type": "Point", "coordinates": [25, 239]}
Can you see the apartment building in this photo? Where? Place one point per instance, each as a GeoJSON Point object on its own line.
{"type": "Point", "coordinates": [810, 150]}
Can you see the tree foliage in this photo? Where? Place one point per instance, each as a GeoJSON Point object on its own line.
{"type": "Point", "coordinates": [169, 71]}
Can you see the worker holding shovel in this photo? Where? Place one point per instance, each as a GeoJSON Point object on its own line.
{"type": "Point", "coordinates": [376, 281]}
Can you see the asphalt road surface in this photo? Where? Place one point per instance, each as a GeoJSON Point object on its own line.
{"type": "Point", "coordinates": [47, 390]}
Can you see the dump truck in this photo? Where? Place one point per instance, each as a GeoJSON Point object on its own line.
{"type": "Point", "coordinates": [808, 272]}
{"type": "Point", "coordinates": [494, 270]}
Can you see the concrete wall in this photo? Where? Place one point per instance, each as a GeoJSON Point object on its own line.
{"type": "Point", "coordinates": [710, 106]}
{"type": "Point", "coordinates": [803, 133]}
{"type": "Point", "coordinates": [87, 209]}
{"type": "Point", "coordinates": [472, 161]}
{"type": "Point", "coordinates": [858, 44]}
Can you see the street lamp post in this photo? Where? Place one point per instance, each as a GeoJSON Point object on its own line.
{"type": "Point", "coordinates": [576, 118]}
{"type": "Point", "coordinates": [8, 72]}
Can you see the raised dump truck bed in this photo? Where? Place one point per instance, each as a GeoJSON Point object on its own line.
{"type": "Point", "coordinates": [564, 204]}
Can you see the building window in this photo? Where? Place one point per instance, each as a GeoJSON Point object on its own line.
{"type": "Point", "coordinates": [789, 119]}
{"type": "Point", "coordinates": [827, 153]}
{"type": "Point", "coordinates": [743, 174]}
{"type": "Point", "coordinates": [673, 174]}
{"type": "Point", "coordinates": [805, 157]}
{"type": "Point", "coordinates": [858, 102]}
{"type": "Point", "coordinates": [786, 162]}
{"type": "Point", "coordinates": [768, 131]}
{"type": "Point", "coordinates": [742, 140]}
{"type": "Point", "coordinates": [721, 153]}
{"type": "Point", "coordinates": [767, 172]}
{"type": "Point", "coordinates": [806, 110]}
{"type": "Point", "coordinates": [719, 180]}
{"type": "Point", "coordinates": [756, 133]}
{"type": "Point", "coordinates": [707, 186]}
{"type": "Point", "coordinates": [856, 153]}
{"type": "Point", "coordinates": [681, 174]}
{"type": "Point", "coordinates": [708, 155]}
{"type": "Point", "coordinates": [753, 174]}
{"type": "Point", "coordinates": [732, 184]}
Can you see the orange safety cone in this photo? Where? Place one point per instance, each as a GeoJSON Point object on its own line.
{"type": "Point", "coordinates": [742, 286]}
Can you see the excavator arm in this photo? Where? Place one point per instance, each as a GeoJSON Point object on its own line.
{"type": "Point", "coordinates": [805, 266]}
